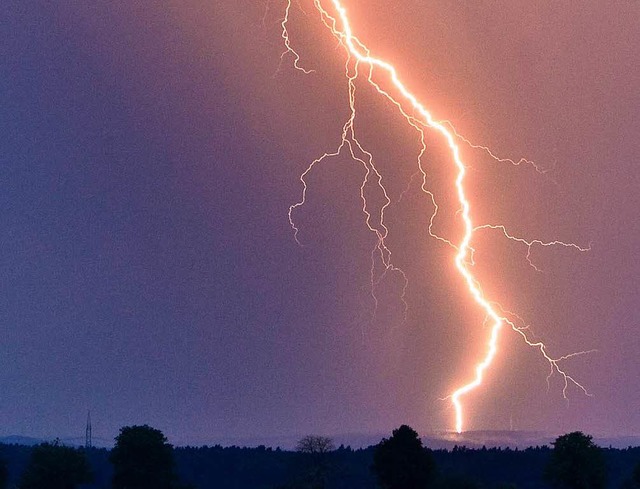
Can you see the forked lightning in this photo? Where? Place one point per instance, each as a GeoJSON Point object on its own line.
{"type": "Point", "coordinates": [361, 65]}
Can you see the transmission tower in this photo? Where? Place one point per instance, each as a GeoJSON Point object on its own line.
{"type": "Point", "coordinates": [87, 436]}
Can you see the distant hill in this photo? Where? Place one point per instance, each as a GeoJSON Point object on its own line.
{"type": "Point", "coordinates": [77, 441]}
{"type": "Point", "coordinates": [437, 440]}
{"type": "Point", "coordinates": [515, 439]}
{"type": "Point", "coordinates": [489, 439]}
{"type": "Point", "coordinates": [20, 440]}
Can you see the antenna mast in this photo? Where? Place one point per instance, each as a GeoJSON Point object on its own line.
{"type": "Point", "coordinates": [87, 436]}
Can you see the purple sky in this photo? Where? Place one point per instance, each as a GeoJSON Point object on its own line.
{"type": "Point", "coordinates": [149, 154]}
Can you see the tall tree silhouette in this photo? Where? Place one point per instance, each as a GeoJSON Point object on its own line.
{"type": "Point", "coordinates": [53, 466]}
{"type": "Point", "coordinates": [576, 463]}
{"type": "Point", "coordinates": [142, 459]}
{"type": "Point", "coordinates": [401, 462]}
{"type": "Point", "coordinates": [315, 451]}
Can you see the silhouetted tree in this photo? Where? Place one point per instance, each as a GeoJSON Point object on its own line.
{"type": "Point", "coordinates": [401, 462]}
{"type": "Point", "coordinates": [142, 459]}
{"type": "Point", "coordinates": [314, 451]}
{"type": "Point", "coordinates": [53, 466]}
{"type": "Point", "coordinates": [315, 445]}
{"type": "Point", "coordinates": [576, 463]}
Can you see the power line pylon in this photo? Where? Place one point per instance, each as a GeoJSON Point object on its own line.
{"type": "Point", "coordinates": [87, 436]}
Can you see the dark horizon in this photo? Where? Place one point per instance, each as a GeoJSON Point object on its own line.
{"type": "Point", "coordinates": [435, 441]}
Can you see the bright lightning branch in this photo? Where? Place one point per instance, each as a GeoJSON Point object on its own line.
{"type": "Point", "coordinates": [362, 65]}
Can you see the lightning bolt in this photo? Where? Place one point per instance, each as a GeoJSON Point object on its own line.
{"type": "Point", "coordinates": [360, 63]}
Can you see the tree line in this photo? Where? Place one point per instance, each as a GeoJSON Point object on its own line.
{"type": "Point", "coordinates": [142, 458]}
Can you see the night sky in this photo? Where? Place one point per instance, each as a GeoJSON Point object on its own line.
{"type": "Point", "coordinates": [149, 153]}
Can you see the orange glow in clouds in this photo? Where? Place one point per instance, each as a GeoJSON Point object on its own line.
{"type": "Point", "coordinates": [359, 61]}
